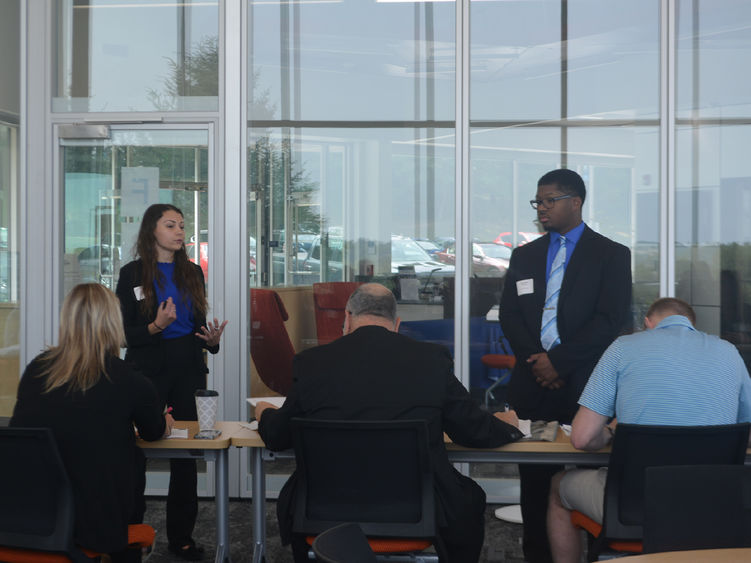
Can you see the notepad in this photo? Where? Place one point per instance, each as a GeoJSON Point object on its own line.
{"type": "Point", "coordinates": [276, 401]}
{"type": "Point", "coordinates": [178, 433]}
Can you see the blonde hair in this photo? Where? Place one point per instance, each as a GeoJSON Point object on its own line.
{"type": "Point", "coordinates": [91, 331]}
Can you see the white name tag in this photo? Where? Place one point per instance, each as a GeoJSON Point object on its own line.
{"type": "Point", "coordinates": [524, 287]}
{"type": "Point", "coordinates": [138, 292]}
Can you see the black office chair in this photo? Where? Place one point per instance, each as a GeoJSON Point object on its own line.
{"type": "Point", "coordinates": [374, 473]}
{"type": "Point", "coordinates": [345, 543]}
{"type": "Point", "coordinates": [37, 512]}
{"type": "Point", "coordinates": [697, 507]}
{"type": "Point", "coordinates": [636, 447]}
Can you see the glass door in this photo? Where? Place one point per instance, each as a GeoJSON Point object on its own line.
{"type": "Point", "coordinates": [109, 176]}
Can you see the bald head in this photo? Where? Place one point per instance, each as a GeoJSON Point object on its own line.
{"type": "Point", "coordinates": [371, 304]}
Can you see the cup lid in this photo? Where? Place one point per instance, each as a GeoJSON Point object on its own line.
{"type": "Point", "coordinates": [206, 393]}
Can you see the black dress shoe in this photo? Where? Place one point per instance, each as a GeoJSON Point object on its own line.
{"type": "Point", "coordinates": [191, 553]}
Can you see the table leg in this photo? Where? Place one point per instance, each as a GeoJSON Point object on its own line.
{"type": "Point", "coordinates": [259, 505]}
{"type": "Point", "coordinates": [221, 479]}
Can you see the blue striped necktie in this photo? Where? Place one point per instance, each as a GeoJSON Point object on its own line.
{"type": "Point", "coordinates": [549, 331]}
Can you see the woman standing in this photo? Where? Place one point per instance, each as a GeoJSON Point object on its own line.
{"type": "Point", "coordinates": [91, 399]}
{"type": "Point", "coordinates": [164, 307]}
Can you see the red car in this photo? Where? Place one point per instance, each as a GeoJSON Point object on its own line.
{"type": "Point", "coordinates": [524, 237]}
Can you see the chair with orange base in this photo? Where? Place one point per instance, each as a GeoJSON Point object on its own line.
{"type": "Point", "coordinates": [330, 300]}
{"type": "Point", "coordinates": [37, 511]}
{"type": "Point", "coordinates": [637, 447]}
{"type": "Point", "coordinates": [376, 474]}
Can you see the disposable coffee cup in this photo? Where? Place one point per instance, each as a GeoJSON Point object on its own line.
{"type": "Point", "coordinates": [207, 403]}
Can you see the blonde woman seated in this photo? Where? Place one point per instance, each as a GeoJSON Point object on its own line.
{"type": "Point", "coordinates": [91, 399]}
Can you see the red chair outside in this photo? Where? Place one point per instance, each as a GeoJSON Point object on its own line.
{"type": "Point", "coordinates": [270, 346]}
{"type": "Point", "coordinates": [330, 300]}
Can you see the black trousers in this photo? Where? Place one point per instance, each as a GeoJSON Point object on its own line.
{"type": "Point", "coordinates": [176, 385]}
{"type": "Point", "coordinates": [534, 482]}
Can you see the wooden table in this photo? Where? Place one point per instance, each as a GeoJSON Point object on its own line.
{"type": "Point", "coordinates": [215, 450]}
{"type": "Point", "coordinates": [245, 438]}
{"type": "Point", "coordinates": [559, 452]}
{"type": "Point", "coordinates": [698, 556]}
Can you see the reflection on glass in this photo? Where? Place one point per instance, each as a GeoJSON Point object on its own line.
{"type": "Point", "coordinates": [527, 65]}
{"type": "Point", "coordinates": [9, 293]}
{"type": "Point", "coordinates": [351, 60]}
{"type": "Point", "coordinates": [108, 185]}
{"type": "Point", "coordinates": [116, 55]}
{"type": "Point", "coordinates": [713, 173]}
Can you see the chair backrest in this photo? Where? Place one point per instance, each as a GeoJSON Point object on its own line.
{"type": "Point", "coordinates": [35, 493]}
{"type": "Point", "coordinates": [344, 543]}
{"type": "Point", "coordinates": [270, 347]}
{"type": "Point", "coordinates": [636, 447]}
{"type": "Point", "coordinates": [330, 300]}
{"type": "Point", "coordinates": [374, 473]}
{"type": "Point", "coordinates": [697, 507]}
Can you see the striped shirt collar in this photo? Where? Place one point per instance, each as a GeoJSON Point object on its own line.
{"type": "Point", "coordinates": [677, 321]}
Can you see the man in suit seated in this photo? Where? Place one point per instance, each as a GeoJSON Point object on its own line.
{"type": "Point", "coordinates": [670, 374]}
{"type": "Point", "coordinates": [375, 373]}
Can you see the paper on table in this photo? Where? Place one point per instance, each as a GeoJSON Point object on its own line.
{"type": "Point", "coordinates": [526, 427]}
{"type": "Point", "coordinates": [178, 433]}
{"type": "Point", "coordinates": [276, 401]}
{"type": "Point", "coordinates": [250, 425]}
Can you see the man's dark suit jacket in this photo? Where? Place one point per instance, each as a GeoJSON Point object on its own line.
{"type": "Point", "coordinates": [593, 309]}
{"type": "Point", "coordinates": [376, 374]}
{"type": "Point", "coordinates": [144, 349]}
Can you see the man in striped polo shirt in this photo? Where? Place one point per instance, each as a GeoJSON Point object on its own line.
{"type": "Point", "coordinates": [671, 374]}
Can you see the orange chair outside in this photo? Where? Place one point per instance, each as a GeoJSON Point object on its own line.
{"type": "Point", "coordinates": [139, 535]}
{"type": "Point", "coordinates": [270, 346]}
{"type": "Point", "coordinates": [499, 361]}
{"type": "Point", "coordinates": [583, 521]}
{"type": "Point", "coordinates": [330, 300]}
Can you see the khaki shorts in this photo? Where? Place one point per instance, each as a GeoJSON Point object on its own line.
{"type": "Point", "coordinates": [584, 490]}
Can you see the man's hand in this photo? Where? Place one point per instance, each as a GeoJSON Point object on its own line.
{"type": "Point", "coordinates": [169, 423]}
{"type": "Point", "coordinates": [509, 417]}
{"type": "Point", "coordinates": [261, 407]}
{"type": "Point", "coordinates": [544, 372]}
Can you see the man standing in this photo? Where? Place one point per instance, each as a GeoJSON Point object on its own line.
{"type": "Point", "coordinates": [671, 374]}
{"type": "Point", "coordinates": [566, 297]}
{"type": "Point", "coordinates": [374, 373]}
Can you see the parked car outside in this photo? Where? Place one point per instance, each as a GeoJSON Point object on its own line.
{"type": "Point", "coordinates": [489, 260]}
{"type": "Point", "coordinates": [405, 251]}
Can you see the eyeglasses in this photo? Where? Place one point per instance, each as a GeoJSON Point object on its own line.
{"type": "Point", "coordinates": [548, 202]}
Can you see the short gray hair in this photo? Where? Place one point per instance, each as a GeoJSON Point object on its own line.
{"type": "Point", "coordinates": [374, 300]}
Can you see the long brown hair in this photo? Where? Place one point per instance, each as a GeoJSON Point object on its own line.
{"type": "Point", "coordinates": [91, 331]}
{"type": "Point", "coordinates": [186, 280]}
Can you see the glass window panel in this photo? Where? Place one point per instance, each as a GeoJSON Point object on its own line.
{"type": "Point", "coordinates": [127, 55]}
{"type": "Point", "coordinates": [344, 205]}
{"type": "Point", "coordinates": [713, 175]}
{"type": "Point", "coordinates": [10, 293]}
{"type": "Point", "coordinates": [712, 48]}
{"type": "Point", "coordinates": [610, 51]}
{"type": "Point", "coordinates": [351, 60]}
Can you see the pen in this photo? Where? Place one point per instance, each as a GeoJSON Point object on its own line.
{"type": "Point", "coordinates": [167, 410]}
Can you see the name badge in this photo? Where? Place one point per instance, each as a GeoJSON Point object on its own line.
{"type": "Point", "coordinates": [138, 292]}
{"type": "Point", "coordinates": [525, 287]}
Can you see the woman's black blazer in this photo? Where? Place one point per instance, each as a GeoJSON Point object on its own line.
{"type": "Point", "coordinates": [144, 349]}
